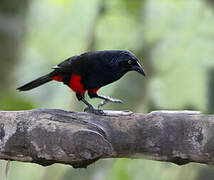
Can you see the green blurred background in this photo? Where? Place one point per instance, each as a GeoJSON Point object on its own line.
{"type": "Point", "coordinates": [173, 39]}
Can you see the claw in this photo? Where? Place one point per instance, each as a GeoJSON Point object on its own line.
{"type": "Point", "coordinates": [117, 101]}
{"type": "Point", "coordinates": [102, 104]}
{"type": "Point", "coordinates": [94, 111]}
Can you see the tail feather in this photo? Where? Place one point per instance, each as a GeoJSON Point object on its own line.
{"type": "Point", "coordinates": [37, 82]}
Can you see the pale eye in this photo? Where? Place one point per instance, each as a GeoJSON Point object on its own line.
{"type": "Point", "coordinates": [129, 61]}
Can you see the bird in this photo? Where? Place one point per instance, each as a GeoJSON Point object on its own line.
{"type": "Point", "coordinates": [90, 71]}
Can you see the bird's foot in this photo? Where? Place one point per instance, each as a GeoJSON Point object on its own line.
{"type": "Point", "coordinates": [109, 100]}
{"type": "Point", "coordinates": [94, 111]}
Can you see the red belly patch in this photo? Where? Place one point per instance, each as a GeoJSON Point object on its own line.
{"type": "Point", "coordinates": [94, 91]}
{"type": "Point", "coordinates": [57, 78]}
{"type": "Point", "coordinates": [75, 84]}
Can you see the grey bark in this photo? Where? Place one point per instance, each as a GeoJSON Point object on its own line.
{"type": "Point", "coordinates": [47, 136]}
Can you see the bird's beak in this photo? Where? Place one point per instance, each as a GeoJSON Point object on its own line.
{"type": "Point", "coordinates": [139, 69]}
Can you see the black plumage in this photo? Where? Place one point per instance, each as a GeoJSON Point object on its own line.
{"type": "Point", "coordinates": [89, 72]}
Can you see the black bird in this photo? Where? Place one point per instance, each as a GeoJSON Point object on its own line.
{"type": "Point", "coordinates": [89, 72]}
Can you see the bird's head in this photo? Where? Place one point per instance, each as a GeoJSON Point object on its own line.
{"type": "Point", "coordinates": [127, 61]}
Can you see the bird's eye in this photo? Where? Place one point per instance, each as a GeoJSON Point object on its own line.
{"type": "Point", "coordinates": [129, 61]}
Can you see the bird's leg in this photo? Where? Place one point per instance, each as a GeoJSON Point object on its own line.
{"type": "Point", "coordinates": [89, 107]}
{"type": "Point", "coordinates": [105, 98]}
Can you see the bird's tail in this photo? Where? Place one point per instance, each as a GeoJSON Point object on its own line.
{"type": "Point", "coordinates": [37, 82]}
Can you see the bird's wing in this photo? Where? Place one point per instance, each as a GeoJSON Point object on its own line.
{"type": "Point", "coordinates": [67, 65]}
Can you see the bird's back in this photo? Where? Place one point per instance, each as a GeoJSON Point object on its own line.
{"type": "Point", "coordinates": [95, 68]}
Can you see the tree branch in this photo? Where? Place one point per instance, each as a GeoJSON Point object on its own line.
{"type": "Point", "coordinates": [47, 136]}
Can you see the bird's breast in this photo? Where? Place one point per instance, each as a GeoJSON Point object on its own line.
{"type": "Point", "coordinates": [99, 79]}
